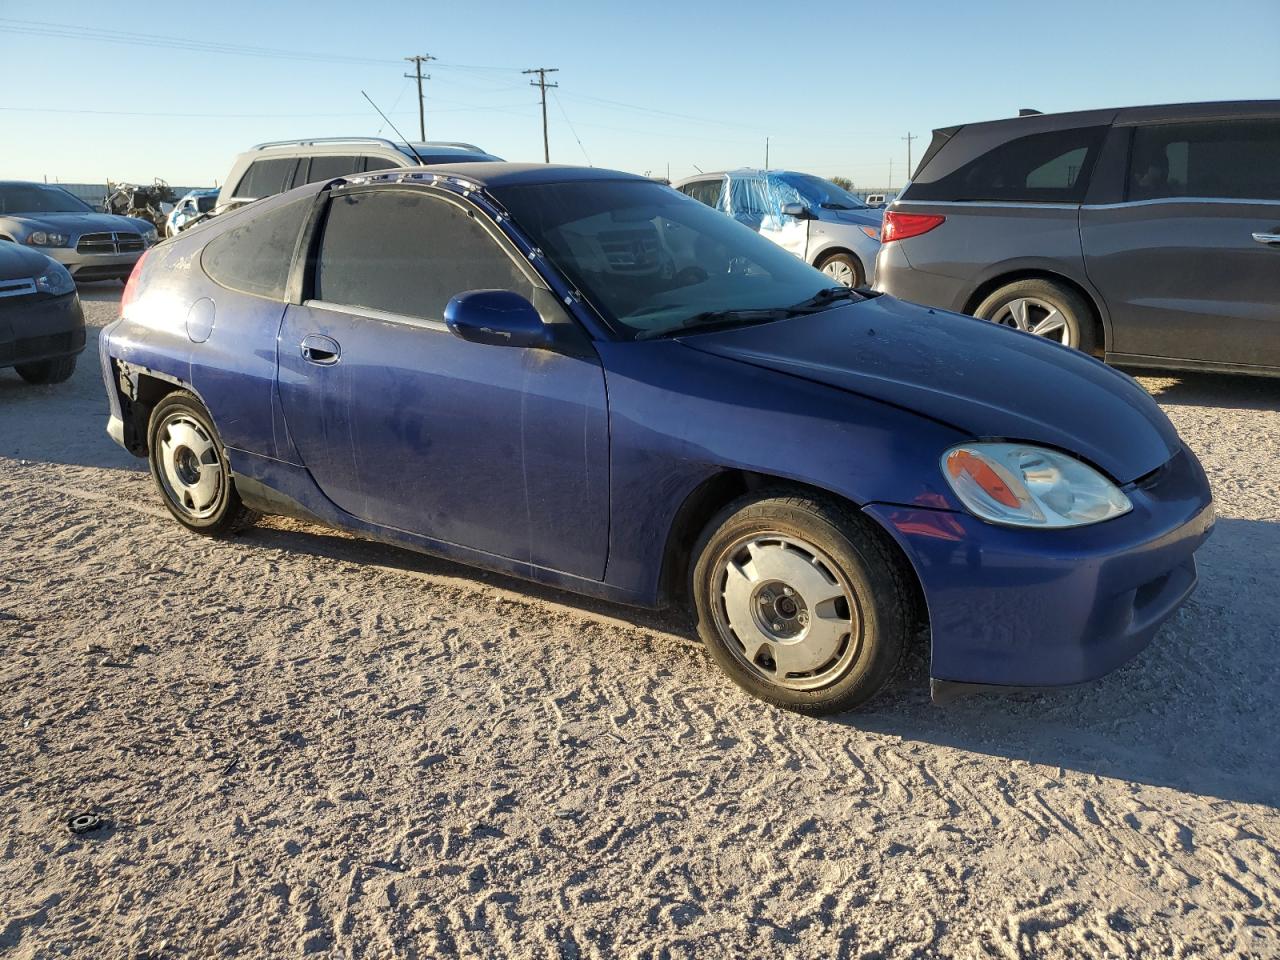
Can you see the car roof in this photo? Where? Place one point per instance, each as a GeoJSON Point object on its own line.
{"type": "Point", "coordinates": [1208, 110]}
{"type": "Point", "coordinates": [504, 174]}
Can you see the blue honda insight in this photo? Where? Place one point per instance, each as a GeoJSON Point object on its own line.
{"type": "Point", "coordinates": [587, 379]}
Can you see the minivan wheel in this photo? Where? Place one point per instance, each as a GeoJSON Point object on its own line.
{"type": "Point", "coordinates": [190, 469]}
{"type": "Point", "coordinates": [1043, 308]}
{"type": "Point", "coordinates": [800, 601]}
{"type": "Point", "coordinates": [843, 268]}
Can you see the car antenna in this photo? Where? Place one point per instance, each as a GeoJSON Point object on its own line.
{"type": "Point", "coordinates": [406, 140]}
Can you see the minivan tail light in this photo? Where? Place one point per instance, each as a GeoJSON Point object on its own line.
{"type": "Point", "coordinates": [131, 287]}
{"type": "Point", "coordinates": [899, 226]}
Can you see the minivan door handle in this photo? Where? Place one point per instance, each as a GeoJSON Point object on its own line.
{"type": "Point", "coordinates": [320, 349]}
{"type": "Point", "coordinates": [1270, 239]}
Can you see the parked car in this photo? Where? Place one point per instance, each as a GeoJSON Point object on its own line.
{"type": "Point", "coordinates": [270, 168]}
{"type": "Point", "coordinates": [91, 245]}
{"type": "Point", "coordinates": [820, 222]}
{"type": "Point", "coordinates": [41, 323]}
{"type": "Point", "coordinates": [1146, 235]}
{"type": "Point", "coordinates": [190, 207]}
{"type": "Point", "coordinates": [586, 379]}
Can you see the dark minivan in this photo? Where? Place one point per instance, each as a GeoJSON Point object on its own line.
{"type": "Point", "coordinates": [1149, 236]}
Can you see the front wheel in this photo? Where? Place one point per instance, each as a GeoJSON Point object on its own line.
{"type": "Point", "coordinates": [843, 268]}
{"type": "Point", "coordinates": [801, 602]}
{"type": "Point", "coordinates": [190, 469]}
{"type": "Point", "coordinates": [47, 371]}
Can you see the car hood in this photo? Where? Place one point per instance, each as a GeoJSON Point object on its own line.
{"type": "Point", "coordinates": [78, 223]}
{"type": "Point", "coordinates": [18, 262]}
{"type": "Point", "coordinates": [985, 380]}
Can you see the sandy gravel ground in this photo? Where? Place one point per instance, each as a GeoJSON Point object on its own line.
{"type": "Point", "coordinates": [303, 743]}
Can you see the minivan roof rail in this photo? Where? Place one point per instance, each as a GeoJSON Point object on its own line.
{"type": "Point", "coordinates": [380, 140]}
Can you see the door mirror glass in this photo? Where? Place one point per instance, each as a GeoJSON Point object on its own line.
{"type": "Point", "coordinates": [797, 210]}
{"type": "Point", "coordinates": [497, 317]}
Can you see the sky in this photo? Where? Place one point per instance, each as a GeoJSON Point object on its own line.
{"type": "Point", "coordinates": [661, 88]}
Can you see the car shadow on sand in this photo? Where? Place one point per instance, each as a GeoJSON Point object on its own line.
{"type": "Point", "coordinates": [1211, 390]}
{"type": "Point", "coordinates": [1197, 711]}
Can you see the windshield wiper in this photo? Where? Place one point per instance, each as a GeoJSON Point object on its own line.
{"type": "Point", "coordinates": [716, 318]}
{"type": "Point", "coordinates": [822, 299]}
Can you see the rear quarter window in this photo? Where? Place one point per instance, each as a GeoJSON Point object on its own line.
{"type": "Point", "coordinates": [1049, 167]}
{"type": "Point", "coordinates": [255, 256]}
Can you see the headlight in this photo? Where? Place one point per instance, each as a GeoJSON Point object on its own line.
{"type": "Point", "coordinates": [42, 238]}
{"type": "Point", "coordinates": [1019, 485]}
{"type": "Point", "coordinates": [149, 235]}
{"type": "Point", "coordinates": [55, 280]}
{"type": "Point", "coordinates": [872, 232]}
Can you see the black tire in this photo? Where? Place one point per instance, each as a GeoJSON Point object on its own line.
{"type": "Point", "coordinates": [883, 610]}
{"type": "Point", "coordinates": [47, 371]}
{"type": "Point", "coordinates": [223, 513]}
{"type": "Point", "coordinates": [1080, 323]}
{"type": "Point", "coordinates": [850, 261]}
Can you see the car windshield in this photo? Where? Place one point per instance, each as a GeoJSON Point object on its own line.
{"type": "Point", "coordinates": [38, 198]}
{"type": "Point", "coordinates": [655, 262]}
{"type": "Point", "coordinates": [817, 192]}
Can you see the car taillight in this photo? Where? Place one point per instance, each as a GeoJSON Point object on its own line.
{"type": "Point", "coordinates": [131, 287]}
{"type": "Point", "coordinates": [899, 226]}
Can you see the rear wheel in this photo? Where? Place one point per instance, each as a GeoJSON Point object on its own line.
{"type": "Point", "coordinates": [843, 268]}
{"type": "Point", "coordinates": [190, 468]}
{"type": "Point", "coordinates": [1043, 308]}
{"type": "Point", "coordinates": [801, 602]}
{"type": "Point", "coordinates": [47, 371]}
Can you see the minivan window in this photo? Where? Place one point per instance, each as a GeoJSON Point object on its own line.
{"type": "Point", "coordinates": [326, 168]}
{"type": "Point", "coordinates": [408, 253]}
{"type": "Point", "coordinates": [1227, 159]}
{"type": "Point", "coordinates": [705, 191]}
{"type": "Point", "coordinates": [266, 178]}
{"type": "Point", "coordinates": [1050, 167]}
{"type": "Point", "coordinates": [255, 255]}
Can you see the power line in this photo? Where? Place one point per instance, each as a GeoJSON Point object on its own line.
{"type": "Point", "coordinates": [556, 97]}
{"type": "Point", "coordinates": [418, 60]}
{"type": "Point", "coordinates": [542, 85]}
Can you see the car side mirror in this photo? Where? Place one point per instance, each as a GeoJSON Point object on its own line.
{"type": "Point", "coordinates": [496, 317]}
{"type": "Point", "coordinates": [797, 210]}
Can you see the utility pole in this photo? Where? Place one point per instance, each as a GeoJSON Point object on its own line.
{"type": "Point", "coordinates": [766, 153]}
{"type": "Point", "coordinates": [418, 61]}
{"type": "Point", "coordinates": [541, 84]}
{"type": "Point", "coordinates": [891, 173]}
{"type": "Point", "coordinates": [909, 138]}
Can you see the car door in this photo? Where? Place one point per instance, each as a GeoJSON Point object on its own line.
{"type": "Point", "coordinates": [1184, 263]}
{"type": "Point", "coordinates": [770, 195]}
{"type": "Point", "coordinates": [500, 449]}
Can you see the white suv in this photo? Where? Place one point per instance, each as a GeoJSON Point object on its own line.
{"type": "Point", "coordinates": [271, 168]}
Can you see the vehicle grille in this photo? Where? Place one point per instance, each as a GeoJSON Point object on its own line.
{"type": "Point", "coordinates": [17, 288]}
{"type": "Point", "coordinates": [38, 348]}
{"type": "Point", "coordinates": [630, 250]}
{"type": "Point", "coordinates": [110, 243]}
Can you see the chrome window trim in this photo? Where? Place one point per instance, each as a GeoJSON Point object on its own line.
{"type": "Point", "coordinates": [1157, 200]}
{"type": "Point", "coordinates": [971, 204]}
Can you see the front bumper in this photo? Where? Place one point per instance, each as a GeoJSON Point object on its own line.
{"type": "Point", "coordinates": [1034, 608]}
{"type": "Point", "coordinates": [40, 328]}
{"type": "Point", "coordinates": [94, 266]}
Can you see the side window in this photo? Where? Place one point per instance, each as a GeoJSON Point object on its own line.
{"type": "Point", "coordinates": [706, 191]}
{"type": "Point", "coordinates": [1228, 159]}
{"type": "Point", "coordinates": [1048, 167]}
{"type": "Point", "coordinates": [408, 253]}
{"type": "Point", "coordinates": [266, 178]}
{"type": "Point", "coordinates": [747, 196]}
{"type": "Point", "coordinates": [255, 255]}
{"type": "Point", "coordinates": [326, 168]}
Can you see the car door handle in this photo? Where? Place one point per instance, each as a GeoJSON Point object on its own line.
{"type": "Point", "coordinates": [1270, 239]}
{"type": "Point", "coordinates": [320, 349]}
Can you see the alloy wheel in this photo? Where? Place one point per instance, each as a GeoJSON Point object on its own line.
{"type": "Point", "coordinates": [1036, 316]}
{"type": "Point", "coordinates": [786, 611]}
{"type": "Point", "coordinates": [190, 465]}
